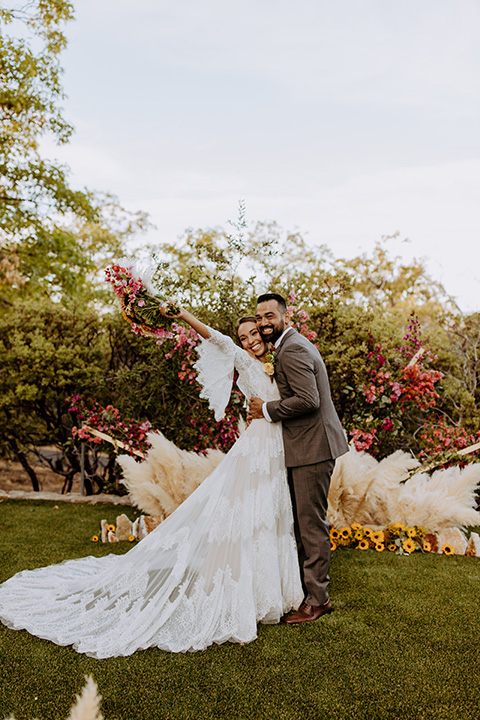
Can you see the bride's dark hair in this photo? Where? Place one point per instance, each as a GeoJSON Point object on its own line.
{"type": "Point", "coordinates": [246, 318]}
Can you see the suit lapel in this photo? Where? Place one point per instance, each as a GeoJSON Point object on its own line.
{"type": "Point", "coordinates": [287, 335]}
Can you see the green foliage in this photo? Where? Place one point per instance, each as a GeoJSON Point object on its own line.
{"type": "Point", "coordinates": [46, 353]}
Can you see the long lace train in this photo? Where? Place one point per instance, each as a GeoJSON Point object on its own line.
{"type": "Point", "coordinates": [223, 561]}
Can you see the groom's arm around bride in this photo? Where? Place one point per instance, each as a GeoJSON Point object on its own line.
{"type": "Point", "coordinates": [313, 437]}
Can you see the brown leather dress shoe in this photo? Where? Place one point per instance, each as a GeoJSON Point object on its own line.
{"type": "Point", "coordinates": [309, 613]}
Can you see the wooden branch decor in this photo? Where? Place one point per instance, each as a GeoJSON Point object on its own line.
{"type": "Point", "coordinates": [116, 443]}
{"type": "Point", "coordinates": [414, 359]}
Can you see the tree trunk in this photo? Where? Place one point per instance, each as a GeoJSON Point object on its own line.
{"type": "Point", "coordinates": [22, 459]}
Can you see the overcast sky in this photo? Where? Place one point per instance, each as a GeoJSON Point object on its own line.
{"type": "Point", "coordinates": [344, 119]}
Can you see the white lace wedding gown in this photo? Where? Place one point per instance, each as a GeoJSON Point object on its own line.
{"type": "Point", "coordinates": [222, 562]}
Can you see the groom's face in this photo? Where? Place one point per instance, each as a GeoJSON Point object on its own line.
{"type": "Point", "coordinates": [270, 320]}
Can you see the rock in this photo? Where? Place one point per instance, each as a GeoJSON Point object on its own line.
{"type": "Point", "coordinates": [151, 523]}
{"type": "Point", "coordinates": [124, 527]}
{"type": "Point", "coordinates": [112, 538]}
{"type": "Point", "coordinates": [432, 540]}
{"type": "Point", "coordinates": [144, 525]}
{"type": "Point", "coordinates": [473, 547]}
{"type": "Point", "coordinates": [104, 530]}
{"type": "Point", "coordinates": [135, 529]}
{"type": "Point", "coordinates": [454, 537]}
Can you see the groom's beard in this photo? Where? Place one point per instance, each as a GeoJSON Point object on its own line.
{"type": "Point", "coordinates": [271, 333]}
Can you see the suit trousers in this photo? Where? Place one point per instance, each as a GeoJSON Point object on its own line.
{"type": "Point", "coordinates": [309, 485]}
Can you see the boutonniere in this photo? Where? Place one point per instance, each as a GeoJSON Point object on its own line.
{"type": "Point", "coordinates": [269, 365]}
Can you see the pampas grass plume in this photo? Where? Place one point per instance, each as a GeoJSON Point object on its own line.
{"type": "Point", "coordinates": [87, 706]}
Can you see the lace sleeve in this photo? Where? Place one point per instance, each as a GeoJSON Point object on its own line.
{"type": "Point", "coordinates": [215, 364]}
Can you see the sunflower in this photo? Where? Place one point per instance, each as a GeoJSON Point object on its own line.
{"type": "Point", "coordinates": [392, 547]}
{"type": "Point", "coordinates": [111, 528]}
{"type": "Point", "coordinates": [346, 533]}
{"type": "Point", "coordinates": [333, 546]}
{"type": "Point", "coordinates": [448, 549]}
{"type": "Point", "coordinates": [411, 532]}
{"type": "Point", "coordinates": [378, 536]}
{"type": "Point", "coordinates": [379, 547]}
{"type": "Point", "coordinates": [95, 538]}
{"type": "Point", "coordinates": [368, 532]}
{"type": "Point", "coordinates": [356, 526]}
{"type": "Point", "coordinates": [334, 534]}
{"type": "Point", "coordinates": [426, 547]}
{"type": "Point", "coordinates": [408, 545]}
{"type": "Point", "coordinates": [363, 545]}
{"type": "Point", "coordinates": [358, 535]}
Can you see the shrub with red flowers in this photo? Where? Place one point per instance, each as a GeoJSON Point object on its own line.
{"type": "Point", "coordinates": [90, 414]}
{"type": "Point", "coordinates": [388, 404]}
{"type": "Point", "coordinates": [441, 441]}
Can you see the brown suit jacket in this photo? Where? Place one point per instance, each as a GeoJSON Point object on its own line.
{"type": "Point", "coordinates": [312, 431]}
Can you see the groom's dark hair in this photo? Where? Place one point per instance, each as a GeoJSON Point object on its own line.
{"type": "Point", "coordinates": [282, 305]}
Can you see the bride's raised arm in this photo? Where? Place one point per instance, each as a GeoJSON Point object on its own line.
{"type": "Point", "coordinates": [215, 364]}
{"type": "Point", "coordinates": [195, 323]}
{"type": "Point", "coordinates": [191, 320]}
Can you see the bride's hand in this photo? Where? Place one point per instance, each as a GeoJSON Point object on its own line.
{"type": "Point", "coordinates": [163, 307]}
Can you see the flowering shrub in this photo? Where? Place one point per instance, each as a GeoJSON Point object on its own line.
{"type": "Point", "coordinates": [441, 442]}
{"type": "Point", "coordinates": [299, 319]}
{"type": "Point", "coordinates": [399, 387]}
{"type": "Point", "coordinates": [107, 420]}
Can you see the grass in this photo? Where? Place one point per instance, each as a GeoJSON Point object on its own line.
{"type": "Point", "coordinates": [402, 643]}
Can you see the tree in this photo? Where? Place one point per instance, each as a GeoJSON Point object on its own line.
{"type": "Point", "coordinates": [52, 237]}
{"type": "Point", "coordinates": [47, 353]}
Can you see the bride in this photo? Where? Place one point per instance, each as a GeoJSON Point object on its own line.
{"type": "Point", "coordinates": [225, 560]}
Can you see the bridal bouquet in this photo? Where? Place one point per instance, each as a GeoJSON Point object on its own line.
{"type": "Point", "coordinates": [141, 304]}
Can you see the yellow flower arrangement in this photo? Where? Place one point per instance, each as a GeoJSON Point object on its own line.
{"type": "Point", "coordinates": [397, 528]}
{"type": "Point", "coordinates": [95, 538]}
{"type": "Point", "coordinates": [397, 538]}
{"type": "Point", "coordinates": [131, 538]}
{"type": "Point", "coordinates": [448, 549]}
{"type": "Point", "coordinates": [408, 546]}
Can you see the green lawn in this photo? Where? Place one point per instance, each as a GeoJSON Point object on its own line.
{"type": "Point", "coordinates": [403, 643]}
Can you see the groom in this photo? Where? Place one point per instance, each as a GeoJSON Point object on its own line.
{"type": "Point", "coordinates": [313, 437]}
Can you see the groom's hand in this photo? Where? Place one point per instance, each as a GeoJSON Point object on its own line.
{"type": "Point", "coordinates": [255, 409]}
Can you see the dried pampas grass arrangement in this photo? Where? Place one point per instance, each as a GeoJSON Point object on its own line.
{"type": "Point", "coordinates": [363, 490]}
{"type": "Point", "coordinates": [378, 494]}
{"type": "Point", "coordinates": [167, 476]}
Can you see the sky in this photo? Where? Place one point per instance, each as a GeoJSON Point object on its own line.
{"type": "Point", "coordinates": [346, 120]}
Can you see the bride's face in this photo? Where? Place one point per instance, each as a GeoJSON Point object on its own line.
{"type": "Point", "coordinates": [251, 340]}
